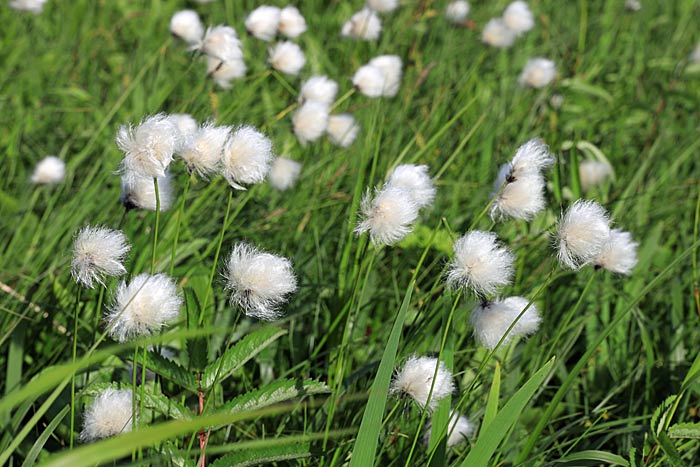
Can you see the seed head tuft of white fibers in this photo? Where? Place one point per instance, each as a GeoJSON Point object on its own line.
{"type": "Point", "coordinates": [319, 89]}
{"type": "Point", "coordinates": [583, 232]}
{"type": "Point", "coordinates": [592, 173]}
{"type": "Point", "coordinates": [49, 171]}
{"type": "Point", "coordinates": [284, 173]}
{"type": "Point", "coordinates": [310, 121]}
{"type": "Point", "coordinates": [365, 24]}
{"type": "Point", "coordinates": [186, 25]}
{"type": "Point", "coordinates": [32, 6]}
{"type": "Point", "coordinates": [287, 57]}
{"type": "Point", "coordinates": [416, 180]}
{"type": "Point", "coordinates": [457, 11]}
{"type": "Point", "coordinates": [519, 198]}
{"type": "Point", "coordinates": [491, 320]}
{"type": "Point", "coordinates": [342, 129]}
{"type": "Point", "coordinates": [98, 252]}
{"type": "Point", "coordinates": [694, 56]}
{"type": "Point", "coordinates": [392, 69]}
{"type": "Point", "coordinates": [459, 431]}
{"type": "Point", "coordinates": [369, 80]}
{"type": "Point", "coordinates": [259, 282]}
{"type": "Point", "coordinates": [633, 5]}
{"type": "Point", "coordinates": [202, 151]}
{"type": "Point", "coordinates": [225, 72]}
{"type": "Point", "coordinates": [518, 17]}
{"type": "Point", "coordinates": [148, 148]}
{"type": "Point", "coordinates": [619, 253]}
{"type": "Point", "coordinates": [143, 307]}
{"type": "Point", "coordinates": [480, 263]}
{"type": "Point", "coordinates": [246, 157]}
{"type": "Point", "coordinates": [292, 24]}
{"type": "Point", "coordinates": [389, 216]}
{"type": "Point", "coordinates": [416, 378]}
{"type": "Point", "coordinates": [497, 34]}
{"type": "Point", "coordinates": [538, 73]}
{"type": "Point", "coordinates": [222, 42]}
{"type": "Point", "coordinates": [262, 22]}
{"type": "Point", "coordinates": [108, 415]}
{"type": "Point", "coordinates": [533, 156]}
{"type": "Point", "coordinates": [138, 192]}
{"type": "Point", "coordinates": [185, 124]}
{"type": "Point", "coordinates": [383, 6]}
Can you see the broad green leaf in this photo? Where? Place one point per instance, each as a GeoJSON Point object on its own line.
{"type": "Point", "coordinates": [684, 430]}
{"type": "Point", "coordinates": [367, 438]}
{"type": "Point", "coordinates": [670, 450]}
{"type": "Point", "coordinates": [171, 371]}
{"type": "Point", "coordinates": [494, 394]}
{"type": "Point", "coordinates": [491, 437]}
{"type": "Point", "coordinates": [196, 347]}
{"type": "Point", "coordinates": [263, 454]}
{"type": "Point", "coordinates": [236, 356]}
{"type": "Point", "coordinates": [598, 456]}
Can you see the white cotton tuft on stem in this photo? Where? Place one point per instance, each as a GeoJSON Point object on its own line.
{"type": "Point", "coordinates": [538, 73]}
{"type": "Point", "coordinates": [480, 263]}
{"type": "Point", "coordinates": [284, 173]}
{"type": "Point", "coordinates": [497, 34]}
{"type": "Point", "coordinates": [291, 24]}
{"type": "Point", "coordinates": [202, 150]}
{"type": "Point", "coordinates": [416, 377]}
{"type": "Point", "coordinates": [287, 57]}
{"type": "Point", "coordinates": [222, 42]}
{"type": "Point", "coordinates": [619, 254]}
{"type": "Point", "coordinates": [139, 192]}
{"type": "Point", "coordinates": [310, 121]}
{"type": "Point", "coordinates": [391, 67]}
{"type": "Point", "coordinates": [518, 17]}
{"type": "Point", "coordinates": [583, 232]}
{"type": "Point", "coordinates": [369, 80]}
{"type": "Point", "coordinates": [491, 321]}
{"type": "Point", "coordinates": [365, 24]}
{"type": "Point", "coordinates": [319, 89]}
{"type": "Point", "coordinates": [262, 22]}
{"type": "Point", "coordinates": [49, 171]}
{"type": "Point", "coordinates": [457, 11]}
{"type": "Point", "coordinates": [383, 6]}
{"type": "Point", "coordinates": [149, 146]}
{"type": "Point", "coordinates": [416, 180]}
{"type": "Point", "coordinates": [246, 157]}
{"type": "Point", "coordinates": [109, 414]}
{"type": "Point", "coordinates": [98, 252]}
{"type": "Point", "coordinates": [342, 129]}
{"type": "Point", "coordinates": [388, 216]}
{"type": "Point", "coordinates": [592, 173]}
{"type": "Point", "coordinates": [186, 25]}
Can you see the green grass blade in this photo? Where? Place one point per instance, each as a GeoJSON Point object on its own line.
{"type": "Point", "coordinates": [597, 456]}
{"type": "Point", "coordinates": [43, 437]}
{"type": "Point", "coordinates": [494, 394]}
{"type": "Point", "coordinates": [367, 437]}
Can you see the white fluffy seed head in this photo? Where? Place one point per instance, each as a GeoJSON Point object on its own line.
{"type": "Point", "coordinates": [633, 5]}
{"type": "Point", "coordinates": [98, 252]}
{"type": "Point", "coordinates": [262, 22]}
{"type": "Point", "coordinates": [148, 148]}
{"type": "Point", "coordinates": [538, 73]}
{"type": "Point", "coordinates": [480, 263]}
{"type": "Point", "coordinates": [415, 379]}
{"type": "Point", "coordinates": [694, 56]}
{"type": "Point", "coordinates": [287, 57]}
{"type": "Point", "coordinates": [365, 24]}
{"type": "Point", "coordinates": [583, 232]}
{"type": "Point", "coordinates": [284, 173]}
{"type": "Point", "coordinates": [310, 121]}
{"type": "Point", "coordinates": [457, 11]}
{"type": "Point", "coordinates": [518, 17]}
{"type": "Point", "coordinates": [460, 429]}
{"type": "Point", "coordinates": [143, 307]}
{"type": "Point", "coordinates": [391, 67]}
{"type": "Point", "coordinates": [383, 6]}
{"type": "Point", "coordinates": [492, 320]}
{"type": "Point", "coordinates": [259, 282]}
{"type": "Point", "coordinates": [32, 6]}
{"type": "Point", "coordinates": [533, 156]}
{"type": "Point", "coordinates": [389, 216]}
{"type": "Point", "coordinates": [49, 171]}
{"type": "Point", "coordinates": [342, 129]}
{"type": "Point", "coordinates": [186, 25]}
{"type": "Point", "coordinates": [185, 123]}
{"type": "Point", "coordinates": [222, 42]}
{"type": "Point", "coordinates": [319, 89]}
{"type": "Point", "coordinates": [202, 150]}
{"type": "Point", "coordinates": [619, 254]}
{"type": "Point", "coordinates": [519, 198]}
{"type": "Point", "coordinates": [369, 80]}
{"type": "Point", "coordinates": [225, 72]}
{"type": "Point", "coordinates": [592, 173]}
{"type": "Point", "coordinates": [416, 180]}
{"type": "Point", "coordinates": [292, 24]}
{"type": "Point", "coordinates": [497, 34]}
{"type": "Point", "coordinates": [139, 192]}
{"type": "Point", "coordinates": [246, 157]}
{"type": "Point", "coordinates": [108, 415]}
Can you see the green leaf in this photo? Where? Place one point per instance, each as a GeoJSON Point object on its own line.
{"type": "Point", "coordinates": [236, 356]}
{"type": "Point", "coordinates": [491, 437]}
{"type": "Point", "coordinates": [366, 443]}
{"type": "Point", "coordinates": [262, 454]}
{"type": "Point", "coordinates": [494, 394]}
{"type": "Point", "coordinates": [598, 456]}
{"type": "Point", "coordinates": [170, 370]}
{"type": "Point", "coordinates": [685, 430]}
{"type": "Point", "coordinates": [196, 347]}
{"type": "Point", "coordinates": [670, 450]}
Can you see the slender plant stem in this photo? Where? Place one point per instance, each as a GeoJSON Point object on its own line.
{"type": "Point", "coordinates": [155, 230]}
{"type": "Point", "coordinates": [343, 98]}
{"type": "Point", "coordinates": [96, 324]}
{"type": "Point", "coordinates": [76, 311]}
{"type": "Point", "coordinates": [134, 408]}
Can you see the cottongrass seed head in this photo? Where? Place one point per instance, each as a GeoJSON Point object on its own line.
{"type": "Point", "coordinates": [49, 171]}
{"type": "Point", "coordinates": [491, 321]}
{"type": "Point", "coordinates": [592, 173]}
{"type": "Point", "coordinates": [416, 180]}
{"type": "Point", "coordinates": [365, 24]}
{"type": "Point", "coordinates": [457, 11]}
{"type": "Point", "coordinates": [202, 150]}
{"type": "Point", "coordinates": [583, 232]}
{"type": "Point", "coordinates": [310, 121]}
{"type": "Point", "coordinates": [292, 24]}
{"type": "Point", "coordinates": [319, 89]}
{"type": "Point", "coordinates": [388, 216]}
{"type": "Point", "coordinates": [186, 125]}
{"type": "Point", "coordinates": [262, 22]}
{"type": "Point", "coordinates": [533, 156]}
{"type": "Point", "coordinates": [98, 252]}
{"type": "Point", "coordinates": [342, 129]}
{"type": "Point", "coordinates": [518, 17]}
{"type": "Point", "coordinates": [369, 80]}
{"type": "Point", "coordinates": [460, 429]}
{"type": "Point", "coordinates": [32, 6]}
{"type": "Point", "coordinates": [538, 73]}
{"type": "Point", "coordinates": [383, 6]}
{"type": "Point", "coordinates": [284, 173]}
{"type": "Point", "coordinates": [246, 157]}
{"type": "Point", "coordinates": [497, 34]}
{"type": "Point", "coordinates": [519, 198]}
{"type": "Point", "coordinates": [287, 57]}
{"type": "Point", "coordinates": [619, 254]}
{"type": "Point", "coordinates": [391, 67]}
{"type": "Point", "coordinates": [259, 282]}
{"type": "Point", "coordinates": [186, 25]}
{"type": "Point", "coordinates": [149, 147]}
{"type": "Point", "coordinates": [143, 307]}
{"type": "Point", "coordinates": [221, 42]}
{"type": "Point", "coordinates": [480, 263]}
{"type": "Point", "coordinates": [139, 192]}
{"type": "Point", "coordinates": [415, 379]}
{"type": "Point", "coordinates": [225, 72]}
{"type": "Point", "coordinates": [108, 415]}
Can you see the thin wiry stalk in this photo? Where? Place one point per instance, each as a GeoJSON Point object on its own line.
{"type": "Point", "coordinates": [155, 230]}
{"type": "Point", "coordinates": [75, 353]}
